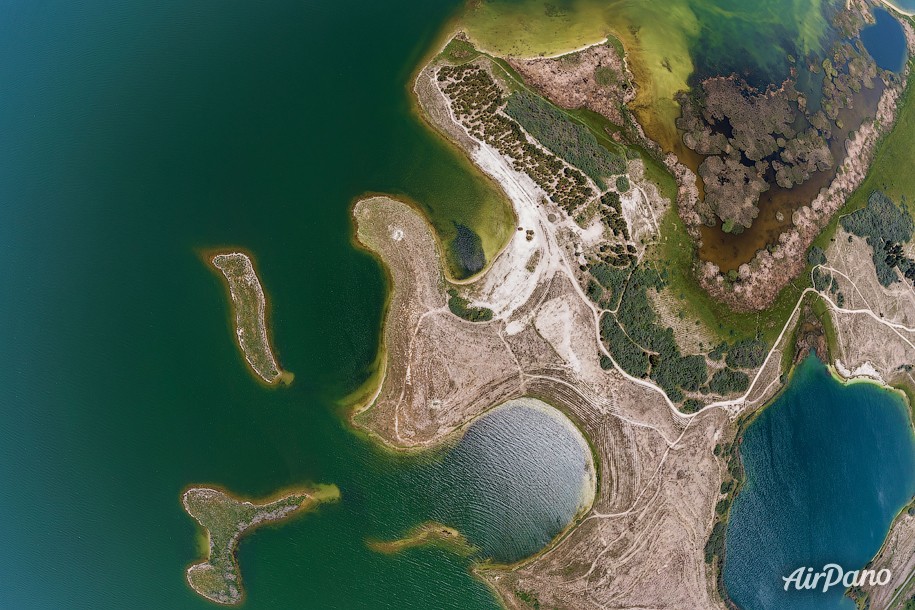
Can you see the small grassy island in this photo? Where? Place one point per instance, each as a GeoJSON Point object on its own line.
{"type": "Point", "coordinates": [250, 307]}
{"type": "Point", "coordinates": [427, 534]}
{"type": "Point", "coordinates": [226, 520]}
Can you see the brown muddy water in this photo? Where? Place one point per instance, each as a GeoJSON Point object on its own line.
{"type": "Point", "coordinates": [777, 205]}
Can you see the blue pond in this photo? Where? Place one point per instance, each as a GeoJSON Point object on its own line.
{"type": "Point", "coordinates": [885, 41]}
{"type": "Point", "coordinates": [828, 468]}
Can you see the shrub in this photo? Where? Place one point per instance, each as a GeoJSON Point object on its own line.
{"type": "Point", "coordinates": [747, 354]}
{"type": "Point", "coordinates": [461, 307]}
{"type": "Point", "coordinates": [627, 354]}
{"type": "Point", "coordinates": [727, 381]}
{"type": "Point", "coordinates": [821, 279]}
{"type": "Point", "coordinates": [691, 405]}
{"type": "Point", "coordinates": [816, 256]}
{"type": "Point", "coordinates": [884, 225]}
{"type": "Point", "coordinates": [612, 279]}
{"type": "Point", "coordinates": [570, 140]}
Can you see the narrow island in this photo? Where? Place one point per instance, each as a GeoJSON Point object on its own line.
{"type": "Point", "coordinates": [250, 307]}
{"type": "Point", "coordinates": [427, 534]}
{"type": "Point", "coordinates": [226, 520]}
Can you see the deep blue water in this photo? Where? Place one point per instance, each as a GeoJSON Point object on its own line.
{"type": "Point", "coordinates": [885, 41]}
{"type": "Point", "coordinates": [828, 468]}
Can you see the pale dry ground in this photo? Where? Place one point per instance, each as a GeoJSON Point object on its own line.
{"type": "Point", "coordinates": [658, 479]}
{"type": "Point", "coordinates": [640, 545]}
{"type": "Point", "coordinates": [897, 555]}
{"type": "Point", "coordinates": [876, 324]}
{"type": "Point", "coordinates": [571, 81]}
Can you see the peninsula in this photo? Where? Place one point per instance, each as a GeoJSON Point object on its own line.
{"type": "Point", "coordinates": [226, 520]}
{"type": "Point", "coordinates": [250, 309]}
{"type": "Point", "coordinates": [600, 306]}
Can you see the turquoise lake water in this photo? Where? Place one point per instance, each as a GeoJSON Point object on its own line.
{"type": "Point", "coordinates": [828, 468]}
{"type": "Point", "coordinates": [885, 41]}
{"type": "Point", "coordinates": [904, 5]}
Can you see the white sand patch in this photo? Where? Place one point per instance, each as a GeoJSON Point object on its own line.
{"type": "Point", "coordinates": [554, 323]}
{"type": "Point", "coordinates": [594, 234]}
{"type": "Point", "coordinates": [509, 284]}
{"type": "Point", "coordinates": [866, 370]}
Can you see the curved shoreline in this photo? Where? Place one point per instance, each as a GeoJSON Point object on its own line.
{"type": "Point", "coordinates": [745, 423]}
{"type": "Point", "coordinates": [363, 399]}
{"type": "Point", "coordinates": [384, 374]}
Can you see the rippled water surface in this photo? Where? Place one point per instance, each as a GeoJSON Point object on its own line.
{"type": "Point", "coordinates": [828, 468]}
{"type": "Point", "coordinates": [136, 134]}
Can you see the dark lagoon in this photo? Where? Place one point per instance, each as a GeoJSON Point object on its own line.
{"type": "Point", "coordinates": [885, 41]}
{"type": "Point", "coordinates": [828, 468]}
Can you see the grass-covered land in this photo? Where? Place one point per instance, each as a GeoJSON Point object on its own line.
{"type": "Point", "coordinates": [888, 172]}
{"type": "Point", "coordinates": [676, 252]}
{"type": "Point", "coordinates": [430, 533]}
{"type": "Point", "coordinates": [249, 306]}
{"type": "Point", "coordinates": [570, 140]}
{"type": "Point", "coordinates": [226, 520]}
{"type": "Point", "coordinates": [459, 51]}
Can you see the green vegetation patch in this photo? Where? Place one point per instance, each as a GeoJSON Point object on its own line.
{"type": "Point", "coordinates": [528, 598]}
{"type": "Point", "coordinates": [459, 51]}
{"type": "Point", "coordinates": [462, 308]}
{"type": "Point", "coordinates": [747, 354]}
{"type": "Point", "coordinates": [816, 256]}
{"type": "Point", "coordinates": [627, 354]}
{"type": "Point", "coordinates": [727, 381]}
{"type": "Point", "coordinates": [477, 102]}
{"type": "Point", "coordinates": [605, 76]}
{"type": "Point", "coordinates": [642, 347]}
{"type": "Point", "coordinates": [613, 280]}
{"type": "Point", "coordinates": [570, 140]}
{"type": "Point", "coordinates": [886, 227]}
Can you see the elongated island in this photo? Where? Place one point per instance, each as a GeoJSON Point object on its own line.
{"type": "Point", "coordinates": [427, 534]}
{"type": "Point", "coordinates": [250, 308]}
{"type": "Point", "coordinates": [226, 520]}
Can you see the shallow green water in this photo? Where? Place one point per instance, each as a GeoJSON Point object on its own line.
{"type": "Point", "coordinates": [828, 468]}
{"type": "Point", "coordinates": [135, 134]}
